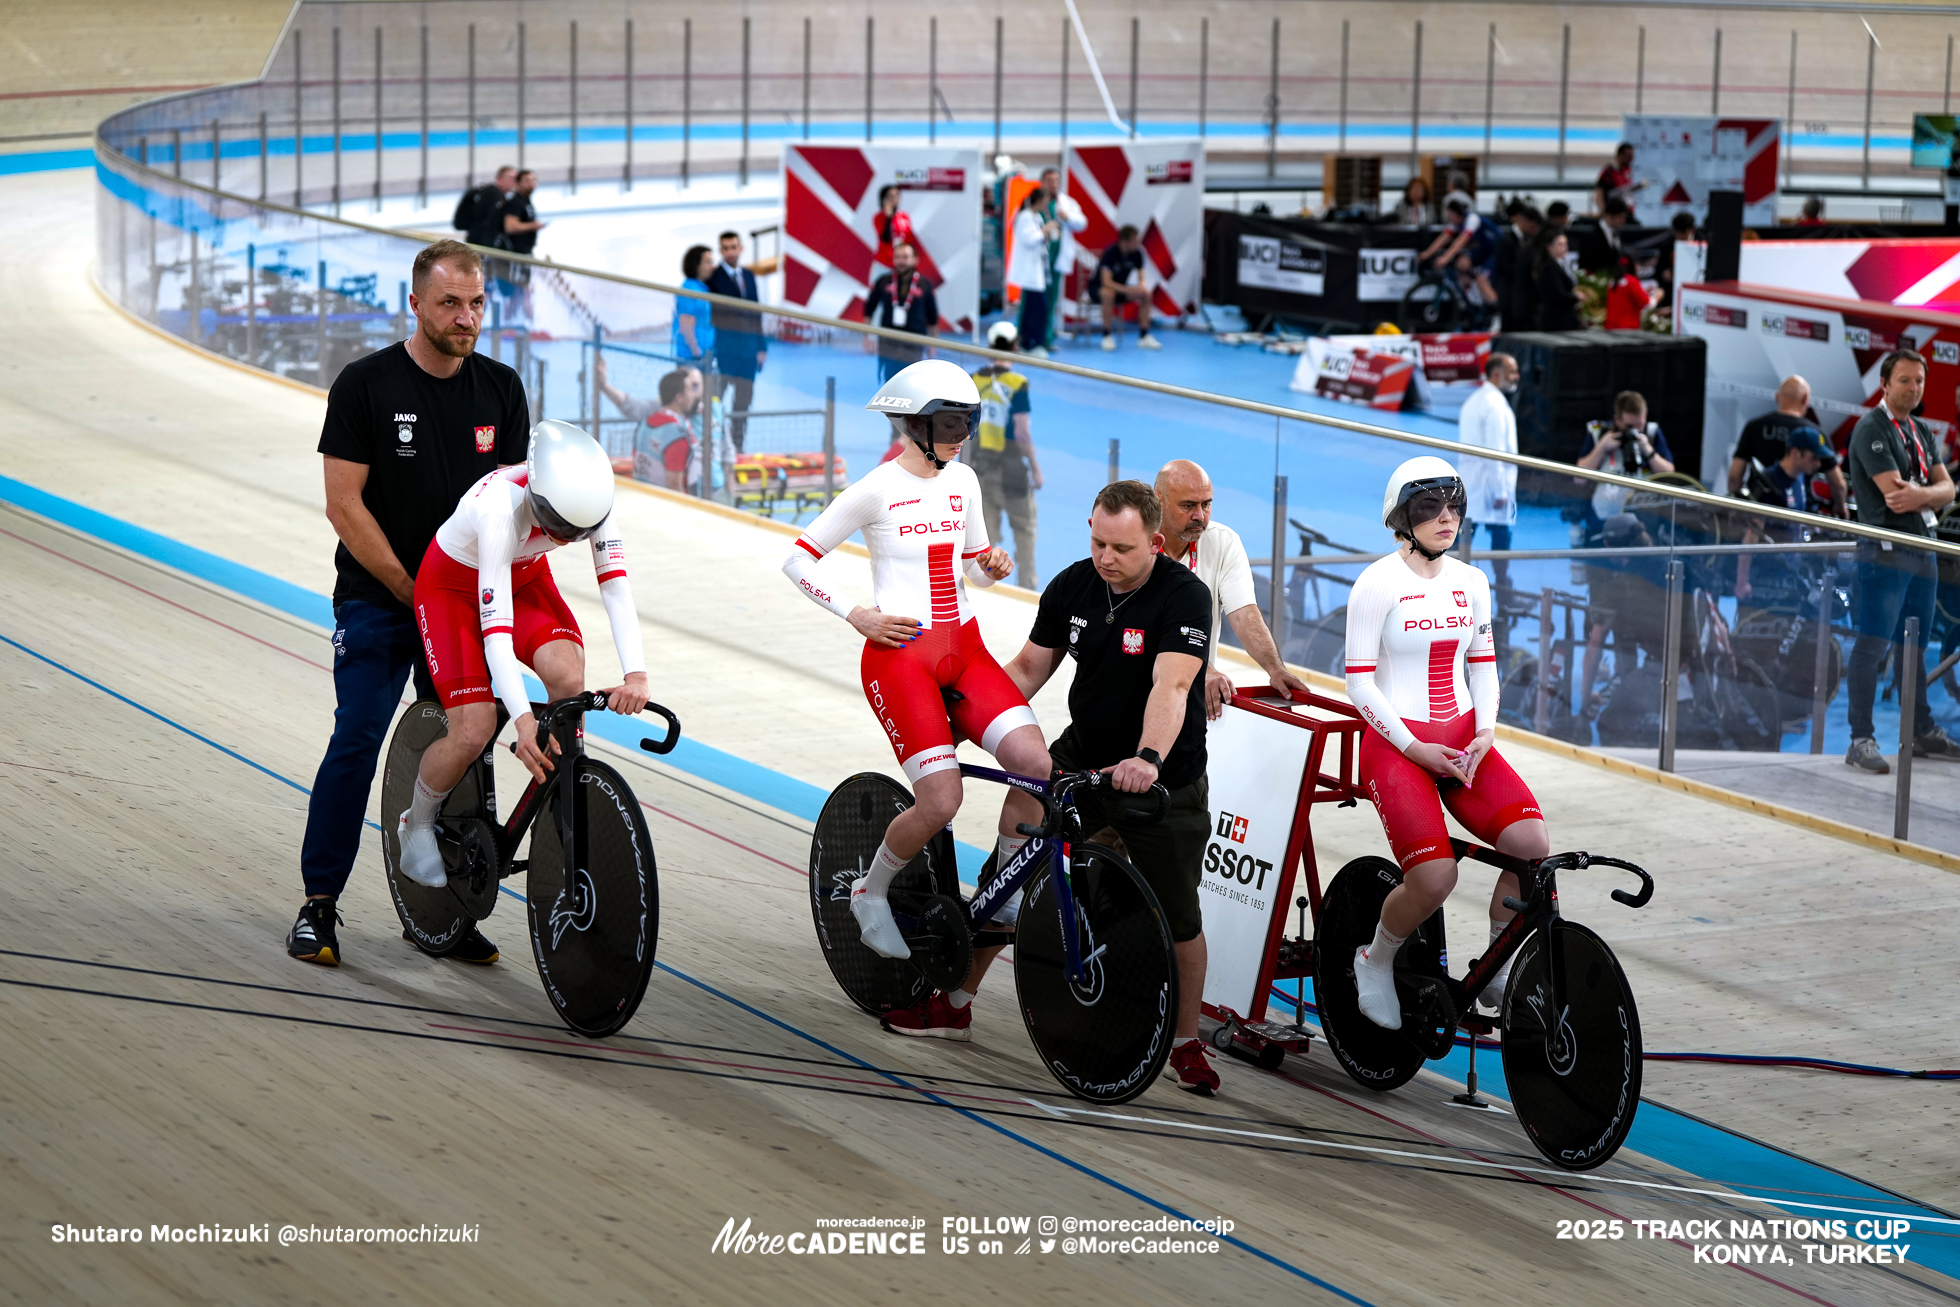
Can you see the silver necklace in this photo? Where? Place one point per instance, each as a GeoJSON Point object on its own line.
{"type": "Point", "coordinates": [1109, 618]}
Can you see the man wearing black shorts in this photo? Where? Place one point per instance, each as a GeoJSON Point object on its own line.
{"type": "Point", "coordinates": [1119, 264]}
{"type": "Point", "coordinates": [1138, 625]}
{"type": "Point", "coordinates": [409, 430]}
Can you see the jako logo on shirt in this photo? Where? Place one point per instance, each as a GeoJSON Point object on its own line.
{"type": "Point", "coordinates": [1461, 602]}
{"type": "Point", "coordinates": [954, 501]}
{"type": "Point", "coordinates": [486, 439]}
{"type": "Point", "coordinates": [1132, 641]}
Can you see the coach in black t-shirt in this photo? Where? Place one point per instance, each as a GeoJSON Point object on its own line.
{"type": "Point", "coordinates": [409, 429]}
{"type": "Point", "coordinates": [1138, 626]}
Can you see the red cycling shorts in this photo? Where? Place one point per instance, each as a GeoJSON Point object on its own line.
{"type": "Point", "coordinates": [1411, 807]}
{"type": "Point", "coordinates": [451, 623]}
{"type": "Point", "coordinates": [904, 688]}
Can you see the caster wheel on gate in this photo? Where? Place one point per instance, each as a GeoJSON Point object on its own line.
{"type": "Point", "coordinates": [1221, 1038]}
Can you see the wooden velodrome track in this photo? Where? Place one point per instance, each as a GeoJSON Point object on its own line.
{"type": "Point", "coordinates": [162, 1062]}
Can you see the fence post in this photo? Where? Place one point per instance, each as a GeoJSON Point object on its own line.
{"type": "Point", "coordinates": [196, 332]}
{"type": "Point", "coordinates": [521, 73]}
{"type": "Point", "coordinates": [870, 25]}
{"type": "Point", "coordinates": [1640, 73]}
{"type": "Point", "coordinates": [1910, 670]}
{"type": "Point", "coordinates": [1276, 593]}
{"type": "Point", "coordinates": [1564, 84]}
{"type": "Point", "coordinates": [401, 309]}
{"type": "Point", "coordinates": [626, 167]}
{"type": "Point", "coordinates": [336, 127]}
{"type": "Point", "coordinates": [1871, 70]}
{"type": "Point", "coordinates": [1068, 39]}
{"type": "Point", "coordinates": [378, 84]}
{"type": "Point", "coordinates": [299, 128]}
{"type": "Point", "coordinates": [1000, 52]}
{"type": "Point", "coordinates": [1946, 97]}
{"type": "Point", "coordinates": [1541, 713]}
{"type": "Point", "coordinates": [1115, 460]}
{"type": "Point", "coordinates": [806, 79]}
{"type": "Point", "coordinates": [320, 327]}
{"type": "Point", "coordinates": [1715, 82]}
{"type": "Point", "coordinates": [217, 148]}
{"type": "Point", "coordinates": [830, 435]}
{"type": "Point", "coordinates": [1490, 89]}
{"type": "Point", "coordinates": [687, 94]}
{"type": "Point", "coordinates": [265, 146]}
{"type": "Point", "coordinates": [422, 180]}
{"type": "Point", "coordinates": [1342, 146]}
{"type": "Point", "coordinates": [469, 167]}
{"type": "Point", "coordinates": [1272, 108]}
{"type": "Point", "coordinates": [598, 395]}
{"type": "Point", "coordinates": [251, 304]}
{"type": "Point", "coordinates": [1820, 698]}
{"type": "Point", "coordinates": [1204, 69]}
{"type": "Point", "coordinates": [745, 103]}
{"type": "Point", "coordinates": [1415, 108]}
{"type": "Point", "coordinates": [571, 173]}
{"type": "Point", "coordinates": [1136, 30]}
{"type": "Point", "coordinates": [932, 83]}
{"type": "Point", "coordinates": [1790, 111]}
{"type": "Point", "coordinates": [1671, 664]}
{"type": "Point", "coordinates": [177, 153]}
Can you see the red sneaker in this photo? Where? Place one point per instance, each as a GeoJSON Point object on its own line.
{"type": "Point", "coordinates": [934, 1018]}
{"type": "Point", "coordinates": [1193, 1066]}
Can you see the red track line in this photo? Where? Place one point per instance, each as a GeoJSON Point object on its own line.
{"type": "Point", "coordinates": [1535, 1180]}
{"type": "Point", "coordinates": [159, 598]}
{"type": "Point", "coordinates": [725, 839]}
{"type": "Point", "coordinates": [100, 90]}
{"type": "Point", "coordinates": [734, 1066]}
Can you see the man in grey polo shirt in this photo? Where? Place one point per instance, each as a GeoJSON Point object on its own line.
{"type": "Point", "coordinates": [1900, 484]}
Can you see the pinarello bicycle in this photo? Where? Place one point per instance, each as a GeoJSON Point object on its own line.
{"type": "Point", "coordinates": [1094, 966]}
{"type": "Point", "coordinates": [591, 884]}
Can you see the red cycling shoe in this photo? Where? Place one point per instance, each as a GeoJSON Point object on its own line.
{"type": "Point", "coordinates": [934, 1018]}
{"type": "Point", "coordinates": [1192, 1063]}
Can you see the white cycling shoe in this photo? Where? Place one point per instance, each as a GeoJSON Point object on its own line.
{"type": "Point", "coordinates": [876, 927]}
{"type": "Point", "coordinates": [421, 856]}
{"type": "Point", "coordinates": [1493, 993]}
{"type": "Point", "coordinates": [1375, 987]}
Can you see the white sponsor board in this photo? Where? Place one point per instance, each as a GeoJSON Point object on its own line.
{"type": "Point", "coordinates": [1679, 159]}
{"type": "Point", "coordinates": [1384, 274]}
{"type": "Point", "coordinates": [1256, 766]}
{"type": "Point", "coordinates": [1274, 264]}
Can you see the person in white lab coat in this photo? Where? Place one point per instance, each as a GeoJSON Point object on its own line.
{"type": "Point", "coordinates": [1487, 422]}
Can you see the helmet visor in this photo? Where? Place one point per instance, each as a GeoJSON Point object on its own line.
{"type": "Point", "coordinates": [950, 424]}
{"type": "Point", "coordinates": [1424, 501]}
{"type": "Point", "coordinates": [555, 525]}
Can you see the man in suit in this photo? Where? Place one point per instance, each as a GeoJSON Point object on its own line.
{"type": "Point", "coordinates": [1600, 249]}
{"type": "Point", "coordinates": [740, 349]}
{"type": "Point", "coordinates": [1511, 264]}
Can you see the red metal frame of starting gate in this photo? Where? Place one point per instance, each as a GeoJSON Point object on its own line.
{"type": "Point", "coordinates": [1317, 785]}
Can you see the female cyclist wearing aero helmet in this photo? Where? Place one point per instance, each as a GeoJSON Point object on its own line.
{"type": "Point", "coordinates": [920, 515]}
{"type": "Point", "coordinates": [1422, 670]}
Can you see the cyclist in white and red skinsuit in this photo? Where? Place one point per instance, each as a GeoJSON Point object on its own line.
{"type": "Point", "coordinates": [920, 518]}
{"type": "Point", "coordinates": [1422, 670]}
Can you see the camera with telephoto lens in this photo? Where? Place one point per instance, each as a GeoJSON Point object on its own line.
{"type": "Point", "coordinates": [1630, 458]}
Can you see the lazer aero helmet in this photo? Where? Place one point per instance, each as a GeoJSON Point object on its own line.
{"type": "Point", "coordinates": [1418, 492]}
{"type": "Point", "coordinates": [570, 484]}
{"type": "Point", "coordinates": [922, 390]}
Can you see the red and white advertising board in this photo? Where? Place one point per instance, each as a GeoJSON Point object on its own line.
{"type": "Point", "coordinates": [1382, 371]}
{"type": "Point", "coordinates": [1157, 186]}
{"type": "Point", "coordinates": [830, 237]}
{"type": "Point", "coordinates": [1921, 273]}
{"type": "Point", "coordinates": [1759, 335]}
{"type": "Point", "coordinates": [1678, 159]}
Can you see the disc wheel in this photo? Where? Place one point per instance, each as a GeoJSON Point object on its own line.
{"type": "Point", "coordinates": [1574, 1075]}
{"type": "Point", "coordinates": [849, 830]}
{"type": "Point", "coordinates": [1107, 1038]}
{"type": "Point", "coordinates": [1349, 912]}
{"type": "Point", "coordinates": [435, 918]}
{"type": "Point", "coordinates": [594, 934]}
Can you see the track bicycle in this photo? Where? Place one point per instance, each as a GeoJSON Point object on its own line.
{"type": "Point", "coordinates": [1094, 966]}
{"type": "Point", "coordinates": [1571, 1033]}
{"type": "Point", "coordinates": [591, 884]}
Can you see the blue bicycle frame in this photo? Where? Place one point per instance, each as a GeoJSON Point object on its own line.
{"type": "Point", "coordinates": [1020, 869]}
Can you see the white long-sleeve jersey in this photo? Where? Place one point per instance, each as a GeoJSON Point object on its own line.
{"type": "Point", "coordinates": [1420, 649]}
{"type": "Point", "coordinates": [923, 534]}
{"type": "Point", "coordinates": [492, 530]}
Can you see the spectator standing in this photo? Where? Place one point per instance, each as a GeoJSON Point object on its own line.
{"type": "Point", "coordinates": [740, 349]}
{"type": "Point", "coordinates": [1003, 457]}
{"type": "Point", "coordinates": [520, 221]}
{"type": "Point", "coordinates": [1217, 556]}
{"type": "Point", "coordinates": [1027, 271]}
{"type": "Point", "coordinates": [1681, 227]}
{"type": "Point", "coordinates": [1616, 181]}
{"type": "Point", "coordinates": [893, 225]}
{"type": "Point", "coordinates": [902, 300]}
{"type": "Point", "coordinates": [1631, 446]}
{"type": "Point", "coordinates": [1491, 487]}
{"type": "Point", "coordinates": [1765, 438]}
{"type": "Point", "coordinates": [1559, 214]}
{"type": "Point", "coordinates": [1900, 485]}
{"type": "Point", "coordinates": [1114, 272]}
{"type": "Point", "coordinates": [1417, 207]}
{"type": "Point", "coordinates": [1627, 300]}
{"type": "Point", "coordinates": [1557, 293]}
{"type": "Point", "coordinates": [1069, 220]}
{"type": "Point", "coordinates": [694, 319]}
{"type": "Point", "coordinates": [1134, 622]}
{"type": "Point", "coordinates": [1813, 212]}
{"type": "Point", "coordinates": [409, 429]}
{"type": "Point", "coordinates": [479, 213]}
{"type": "Point", "coordinates": [1600, 249]}
{"type": "Point", "coordinates": [1509, 262]}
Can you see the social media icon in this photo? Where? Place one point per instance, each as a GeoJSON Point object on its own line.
{"type": "Point", "coordinates": [1048, 1245]}
{"type": "Point", "coordinates": [1047, 1225]}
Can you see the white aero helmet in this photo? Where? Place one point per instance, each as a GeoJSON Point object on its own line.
{"type": "Point", "coordinates": [570, 482]}
{"type": "Point", "coordinates": [923, 389]}
{"type": "Point", "coordinates": [1426, 478]}
{"type": "Point", "coordinates": [1003, 335]}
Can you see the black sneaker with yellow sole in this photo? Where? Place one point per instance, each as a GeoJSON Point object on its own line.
{"type": "Point", "coordinates": [474, 948]}
{"type": "Point", "coordinates": [313, 938]}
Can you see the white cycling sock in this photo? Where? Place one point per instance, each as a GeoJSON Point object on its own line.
{"type": "Point", "coordinates": [1381, 954]}
{"type": "Point", "coordinates": [885, 866]}
{"type": "Point", "coordinates": [424, 807]}
{"type": "Point", "coordinates": [1497, 928]}
{"type": "Point", "coordinates": [959, 998]}
{"type": "Point", "coordinates": [1004, 850]}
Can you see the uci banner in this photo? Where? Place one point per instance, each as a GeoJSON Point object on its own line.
{"type": "Point", "coordinates": [830, 225]}
{"type": "Point", "coordinates": [1157, 186]}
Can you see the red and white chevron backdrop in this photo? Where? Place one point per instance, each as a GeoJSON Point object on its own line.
{"type": "Point", "coordinates": [830, 241]}
{"type": "Point", "coordinates": [1159, 186]}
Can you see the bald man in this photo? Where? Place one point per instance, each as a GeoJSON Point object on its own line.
{"type": "Point", "coordinates": [1767, 438]}
{"type": "Point", "coordinates": [1218, 557]}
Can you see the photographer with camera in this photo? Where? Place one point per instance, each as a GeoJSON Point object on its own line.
{"type": "Point", "coordinates": [1630, 445]}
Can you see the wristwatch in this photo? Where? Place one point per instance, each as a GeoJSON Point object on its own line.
{"type": "Point", "coordinates": [1152, 757]}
